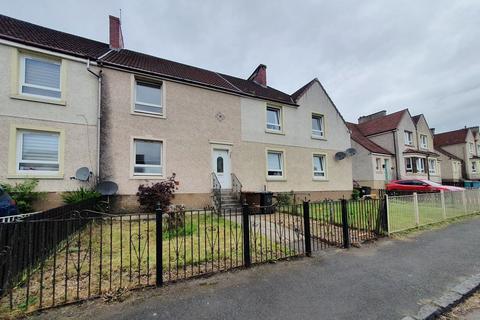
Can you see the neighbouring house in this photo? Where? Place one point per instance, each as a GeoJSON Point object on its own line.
{"type": "Point", "coordinates": [372, 165]}
{"type": "Point", "coordinates": [158, 117]}
{"type": "Point", "coordinates": [408, 138]}
{"type": "Point", "coordinates": [463, 144]}
{"type": "Point", "coordinates": [451, 167]}
{"type": "Point", "coordinates": [48, 106]}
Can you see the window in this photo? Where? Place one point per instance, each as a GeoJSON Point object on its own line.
{"type": "Point", "coordinates": [423, 141]}
{"type": "Point", "coordinates": [275, 164]}
{"type": "Point", "coordinates": [40, 77]}
{"type": "Point", "coordinates": [474, 167]}
{"type": "Point", "coordinates": [470, 148]}
{"type": "Point", "coordinates": [318, 126]}
{"type": "Point", "coordinates": [432, 166]}
{"type": "Point", "coordinates": [148, 98]}
{"type": "Point", "coordinates": [408, 165]}
{"type": "Point", "coordinates": [148, 157]}
{"type": "Point", "coordinates": [421, 165]}
{"type": "Point", "coordinates": [219, 164]}
{"type": "Point", "coordinates": [274, 119]}
{"type": "Point", "coordinates": [378, 164]}
{"type": "Point", "coordinates": [408, 138]}
{"type": "Point", "coordinates": [37, 152]}
{"type": "Point", "coordinates": [319, 162]}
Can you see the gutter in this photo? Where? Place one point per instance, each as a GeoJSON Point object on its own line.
{"type": "Point", "coordinates": [396, 153]}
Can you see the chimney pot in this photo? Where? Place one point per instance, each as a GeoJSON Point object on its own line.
{"type": "Point", "coordinates": [116, 37]}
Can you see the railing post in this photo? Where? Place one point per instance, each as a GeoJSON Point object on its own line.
{"type": "Point", "coordinates": [246, 235]}
{"type": "Point", "coordinates": [415, 209]}
{"type": "Point", "coordinates": [159, 246]}
{"type": "Point", "coordinates": [346, 232]}
{"type": "Point", "coordinates": [306, 225]}
{"type": "Point", "coordinates": [386, 210]}
{"type": "Point", "coordinates": [444, 208]}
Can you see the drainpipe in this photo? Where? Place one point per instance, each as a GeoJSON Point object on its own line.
{"type": "Point", "coordinates": [396, 153]}
{"type": "Point", "coordinates": [99, 101]}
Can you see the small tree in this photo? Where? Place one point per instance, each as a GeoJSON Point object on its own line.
{"type": "Point", "coordinates": [23, 193]}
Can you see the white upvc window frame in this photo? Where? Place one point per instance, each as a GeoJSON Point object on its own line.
{"type": "Point", "coordinates": [22, 83]}
{"type": "Point", "coordinates": [421, 168]}
{"type": "Point", "coordinates": [282, 165]}
{"type": "Point", "coordinates": [423, 141]}
{"type": "Point", "coordinates": [322, 175]}
{"type": "Point", "coordinates": [318, 133]}
{"type": "Point", "coordinates": [279, 111]}
{"type": "Point", "coordinates": [408, 136]}
{"type": "Point", "coordinates": [432, 169]}
{"type": "Point", "coordinates": [474, 166]}
{"type": "Point", "coordinates": [471, 147]}
{"type": "Point", "coordinates": [409, 165]}
{"type": "Point", "coordinates": [134, 158]}
{"type": "Point", "coordinates": [160, 106]}
{"type": "Point", "coordinates": [19, 154]}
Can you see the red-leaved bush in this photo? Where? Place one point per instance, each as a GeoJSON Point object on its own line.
{"type": "Point", "coordinates": [160, 193]}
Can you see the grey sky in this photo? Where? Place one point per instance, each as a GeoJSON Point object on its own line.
{"type": "Point", "coordinates": [369, 55]}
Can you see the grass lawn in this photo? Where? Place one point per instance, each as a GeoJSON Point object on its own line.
{"type": "Point", "coordinates": [113, 253]}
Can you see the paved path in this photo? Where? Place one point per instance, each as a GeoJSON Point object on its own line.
{"type": "Point", "coordinates": [386, 280]}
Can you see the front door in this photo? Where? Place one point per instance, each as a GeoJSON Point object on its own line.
{"type": "Point", "coordinates": [221, 167]}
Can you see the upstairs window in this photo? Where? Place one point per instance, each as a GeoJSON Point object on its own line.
{"type": "Point", "coordinates": [274, 119]}
{"type": "Point", "coordinates": [423, 141]}
{"type": "Point", "coordinates": [319, 171]}
{"type": "Point", "coordinates": [470, 147]}
{"type": "Point", "coordinates": [148, 98]}
{"type": "Point", "coordinates": [318, 129]}
{"type": "Point", "coordinates": [37, 152]}
{"type": "Point", "coordinates": [432, 166]}
{"type": "Point", "coordinates": [275, 164]}
{"type": "Point", "coordinates": [408, 138]}
{"type": "Point", "coordinates": [40, 77]}
{"type": "Point", "coordinates": [148, 157]}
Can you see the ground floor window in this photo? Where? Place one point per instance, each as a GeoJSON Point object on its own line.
{"type": "Point", "coordinates": [275, 164]}
{"type": "Point", "coordinates": [148, 157]}
{"type": "Point", "coordinates": [421, 165]}
{"type": "Point", "coordinates": [432, 166]}
{"type": "Point", "coordinates": [474, 167]}
{"type": "Point", "coordinates": [37, 152]}
{"type": "Point", "coordinates": [319, 166]}
{"type": "Point", "coordinates": [408, 165]}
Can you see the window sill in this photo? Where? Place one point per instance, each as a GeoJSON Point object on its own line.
{"type": "Point", "coordinates": [150, 115]}
{"type": "Point", "coordinates": [274, 132]}
{"type": "Point", "coordinates": [279, 179]}
{"type": "Point", "coordinates": [320, 179]}
{"type": "Point", "coordinates": [319, 138]}
{"type": "Point", "coordinates": [35, 176]}
{"type": "Point", "coordinates": [35, 99]}
{"type": "Point", "coordinates": [149, 177]}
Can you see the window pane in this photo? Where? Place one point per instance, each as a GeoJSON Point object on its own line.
{"type": "Point", "coordinates": [273, 119]}
{"type": "Point", "coordinates": [148, 94]}
{"type": "Point", "coordinates": [148, 152]}
{"type": "Point", "coordinates": [145, 108]}
{"type": "Point", "coordinates": [317, 123]}
{"type": "Point", "coordinates": [40, 146]}
{"type": "Point", "coordinates": [274, 161]}
{"type": "Point", "coordinates": [41, 92]}
{"type": "Point", "coordinates": [38, 166]}
{"type": "Point", "coordinates": [219, 165]}
{"type": "Point", "coordinates": [42, 73]}
{"type": "Point", "coordinates": [319, 166]}
{"type": "Point", "coordinates": [150, 170]}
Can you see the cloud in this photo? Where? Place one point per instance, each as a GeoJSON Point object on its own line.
{"type": "Point", "coordinates": [370, 54]}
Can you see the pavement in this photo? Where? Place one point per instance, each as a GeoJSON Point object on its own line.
{"type": "Point", "coordinates": [389, 279]}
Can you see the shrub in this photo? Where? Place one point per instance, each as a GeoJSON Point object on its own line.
{"type": "Point", "coordinates": [356, 194]}
{"type": "Point", "coordinates": [160, 192]}
{"type": "Point", "coordinates": [23, 193]}
{"type": "Point", "coordinates": [79, 195]}
{"type": "Point", "coordinates": [283, 199]}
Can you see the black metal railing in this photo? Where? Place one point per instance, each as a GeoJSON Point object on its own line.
{"type": "Point", "coordinates": [236, 187]}
{"type": "Point", "coordinates": [98, 254]}
{"type": "Point", "coordinates": [216, 192]}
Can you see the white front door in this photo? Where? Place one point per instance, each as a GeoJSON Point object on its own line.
{"type": "Point", "coordinates": [221, 167]}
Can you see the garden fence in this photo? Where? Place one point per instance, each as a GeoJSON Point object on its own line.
{"type": "Point", "coordinates": [412, 211]}
{"type": "Point", "coordinates": [74, 253]}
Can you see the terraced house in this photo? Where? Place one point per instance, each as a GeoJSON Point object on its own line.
{"type": "Point", "coordinates": [408, 139]}
{"type": "Point", "coordinates": [159, 117]}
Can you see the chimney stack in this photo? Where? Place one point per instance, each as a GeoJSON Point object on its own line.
{"type": "Point", "coordinates": [259, 76]}
{"type": "Point", "coordinates": [432, 130]}
{"type": "Point", "coordinates": [372, 116]}
{"type": "Point", "coordinates": [116, 37]}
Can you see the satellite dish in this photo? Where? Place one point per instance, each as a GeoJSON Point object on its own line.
{"type": "Point", "coordinates": [107, 188]}
{"type": "Point", "coordinates": [340, 155]}
{"type": "Point", "coordinates": [82, 174]}
{"type": "Point", "coordinates": [351, 152]}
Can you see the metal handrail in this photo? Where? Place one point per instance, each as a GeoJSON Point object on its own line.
{"type": "Point", "coordinates": [217, 192]}
{"type": "Point", "coordinates": [236, 187]}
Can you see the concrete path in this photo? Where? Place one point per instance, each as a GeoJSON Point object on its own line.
{"type": "Point", "coordinates": [387, 280]}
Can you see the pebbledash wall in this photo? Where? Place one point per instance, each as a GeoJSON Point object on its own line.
{"type": "Point", "coordinates": [191, 128]}
{"type": "Point", "coordinates": [73, 117]}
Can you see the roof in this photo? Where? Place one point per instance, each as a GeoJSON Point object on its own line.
{"type": "Point", "coordinates": [448, 154]}
{"type": "Point", "coordinates": [416, 118]}
{"type": "Point", "coordinates": [427, 153]}
{"type": "Point", "coordinates": [297, 94]}
{"type": "Point", "coordinates": [450, 137]}
{"type": "Point", "coordinates": [382, 124]}
{"type": "Point", "coordinates": [368, 144]}
{"type": "Point", "coordinates": [45, 38]}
